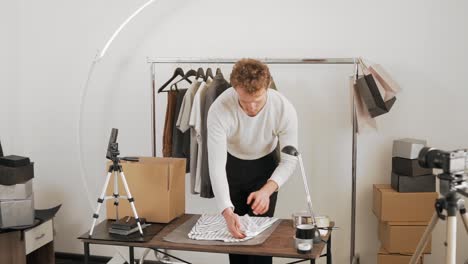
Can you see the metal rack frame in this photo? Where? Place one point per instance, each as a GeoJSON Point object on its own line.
{"type": "Point", "coordinates": [295, 61]}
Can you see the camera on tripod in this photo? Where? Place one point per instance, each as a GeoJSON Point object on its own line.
{"type": "Point", "coordinates": [453, 184]}
{"type": "Point", "coordinates": [452, 163]}
{"type": "Point", "coordinates": [113, 146]}
{"type": "Point", "coordinates": [116, 169]}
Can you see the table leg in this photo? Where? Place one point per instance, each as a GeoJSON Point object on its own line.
{"type": "Point", "coordinates": [86, 253]}
{"type": "Point", "coordinates": [312, 261]}
{"type": "Point", "coordinates": [329, 250]}
{"type": "Point", "coordinates": [132, 255]}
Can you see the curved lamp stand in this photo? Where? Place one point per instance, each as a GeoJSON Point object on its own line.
{"type": "Point", "coordinates": [84, 92]}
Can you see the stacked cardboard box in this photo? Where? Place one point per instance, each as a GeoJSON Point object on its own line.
{"type": "Point", "coordinates": [16, 192]}
{"type": "Point", "coordinates": [385, 258]}
{"type": "Point", "coordinates": [405, 207]}
{"type": "Point", "coordinates": [403, 217]}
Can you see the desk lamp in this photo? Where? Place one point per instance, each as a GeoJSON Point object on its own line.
{"type": "Point", "coordinates": [290, 150]}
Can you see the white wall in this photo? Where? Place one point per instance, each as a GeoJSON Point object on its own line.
{"type": "Point", "coordinates": [421, 43]}
{"type": "Point", "coordinates": [9, 18]}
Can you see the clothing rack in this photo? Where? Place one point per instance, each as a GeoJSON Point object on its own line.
{"type": "Point", "coordinates": [264, 60]}
{"type": "Point", "coordinates": [354, 61]}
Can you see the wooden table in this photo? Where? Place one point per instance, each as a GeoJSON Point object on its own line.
{"type": "Point", "coordinates": [279, 244]}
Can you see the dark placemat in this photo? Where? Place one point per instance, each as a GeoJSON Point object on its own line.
{"type": "Point", "coordinates": [180, 235]}
{"type": "Point", "coordinates": [101, 232]}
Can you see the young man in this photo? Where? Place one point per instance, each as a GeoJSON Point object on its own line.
{"type": "Point", "coordinates": [245, 124]}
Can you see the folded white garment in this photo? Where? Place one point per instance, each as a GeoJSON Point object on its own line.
{"type": "Point", "coordinates": [213, 227]}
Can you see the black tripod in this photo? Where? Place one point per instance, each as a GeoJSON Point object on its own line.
{"type": "Point", "coordinates": [116, 169]}
{"type": "Point", "coordinates": [453, 186]}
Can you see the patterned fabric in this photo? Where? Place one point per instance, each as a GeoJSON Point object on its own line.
{"type": "Point", "coordinates": [213, 227]}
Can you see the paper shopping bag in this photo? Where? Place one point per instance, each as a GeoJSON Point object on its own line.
{"type": "Point", "coordinates": [373, 93]}
{"type": "Point", "coordinates": [364, 119]}
{"type": "Point", "coordinates": [389, 85]}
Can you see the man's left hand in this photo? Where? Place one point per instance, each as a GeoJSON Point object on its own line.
{"type": "Point", "coordinates": [261, 198]}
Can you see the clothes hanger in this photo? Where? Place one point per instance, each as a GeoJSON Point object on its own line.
{"type": "Point", "coordinates": [177, 72]}
{"type": "Point", "coordinates": [218, 71]}
{"type": "Point", "coordinates": [200, 74]}
{"type": "Point", "coordinates": [208, 73]}
{"type": "Point", "coordinates": [188, 74]}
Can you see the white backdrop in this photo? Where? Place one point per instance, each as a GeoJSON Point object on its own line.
{"type": "Point", "coordinates": [422, 44]}
{"type": "Point", "coordinates": [8, 72]}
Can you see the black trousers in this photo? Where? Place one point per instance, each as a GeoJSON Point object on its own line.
{"type": "Point", "coordinates": [245, 177]}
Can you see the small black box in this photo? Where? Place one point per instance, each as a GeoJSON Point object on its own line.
{"type": "Point", "coordinates": [14, 161]}
{"type": "Point", "coordinates": [405, 184]}
{"type": "Point", "coordinates": [408, 167]}
{"type": "Point", "coordinates": [16, 175]}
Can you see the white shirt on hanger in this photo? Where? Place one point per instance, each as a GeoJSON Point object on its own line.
{"type": "Point", "coordinates": [195, 124]}
{"type": "Point", "coordinates": [183, 119]}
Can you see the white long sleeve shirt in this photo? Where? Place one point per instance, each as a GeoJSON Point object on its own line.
{"type": "Point", "coordinates": [231, 130]}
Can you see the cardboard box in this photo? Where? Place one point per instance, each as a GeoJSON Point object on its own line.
{"type": "Point", "coordinates": [409, 167]}
{"type": "Point", "coordinates": [386, 258]}
{"type": "Point", "coordinates": [380, 231]}
{"type": "Point", "coordinates": [402, 237]}
{"type": "Point", "coordinates": [17, 191]}
{"type": "Point", "coordinates": [390, 205]}
{"type": "Point", "coordinates": [15, 175]}
{"type": "Point", "coordinates": [407, 148]}
{"type": "Point", "coordinates": [16, 212]}
{"type": "Point", "coordinates": [156, 184]}
{"type": "Point", "coordinates": [405, 184]}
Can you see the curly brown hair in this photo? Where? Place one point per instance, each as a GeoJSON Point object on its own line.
{"type": "Point", "coordinates": [251, 75]}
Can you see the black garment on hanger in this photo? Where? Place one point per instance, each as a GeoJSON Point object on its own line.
{"type": "Point", "coordinates": [180, 141]}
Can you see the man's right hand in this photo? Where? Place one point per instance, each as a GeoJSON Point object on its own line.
{"type": "Point", "coordinates": [233, 223]}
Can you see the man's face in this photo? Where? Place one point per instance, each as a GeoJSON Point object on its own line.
{"type": "Point", "coordinates": [252, 103]}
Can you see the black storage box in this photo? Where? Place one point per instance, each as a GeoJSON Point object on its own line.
{"type": "Point", "coordinates": [406, 184]}
{"type": "Point", "coordinates": [408, 167]}
{"type": "Point", "coordinates": [14, 161]}
{"type": "Point", "coordinates": [16, 175]}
